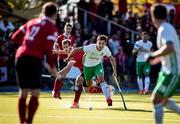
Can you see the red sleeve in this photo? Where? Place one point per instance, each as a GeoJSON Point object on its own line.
{"type": "Point", "coordinates": [18, 36]}
{"type": "Point", "coordinates": [49, 46]}
{"type": "Point", "coordinates": [73, 40]}
{"type": "Point", "coordinates": [50, 56]}
{"type": "Point", "coordinates": [59, 40]}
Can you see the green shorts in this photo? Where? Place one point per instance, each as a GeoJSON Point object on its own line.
{"type": "Point", "coordinates": [142, 68]}
{"type": "Point", "coordinates": [90, 72]}
{"type": "Point", "coordinates": [167, 84]}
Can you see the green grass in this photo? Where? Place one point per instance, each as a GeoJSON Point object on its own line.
{"type": "Point", "coordinates": [54, 111]}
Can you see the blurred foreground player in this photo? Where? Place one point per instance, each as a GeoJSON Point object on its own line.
{"type": "Point", "coordinates": [35, 38]}
{"type": "Point", "coordinates": [169, 56]}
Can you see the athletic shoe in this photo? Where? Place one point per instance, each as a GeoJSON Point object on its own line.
{"type": "Point", "coordinates": [141, 92]}
{"type": "Point", "coordinates": [75, 105]}
{"type": "Point", "coordinates": [56, 95]}
{"type": "Point", "coordinates": [109, 101]}
{"type": "Point", "coordinates": [145, 92]}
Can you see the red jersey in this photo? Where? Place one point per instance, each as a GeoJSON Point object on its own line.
{"type": "Point", "coordinates": [59, 41]}
{"type": "Point", "coordinates": [79, 60]}
{"type": "Point", "coordinates": [36, 38]}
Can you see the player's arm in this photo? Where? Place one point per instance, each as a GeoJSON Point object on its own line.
{"type": "Point", "coordinates": [164, 50]}
{"type": "Point", "coordinates": [18, 36]}
{"type": "Point", "coordinates": [73, 52]}
{"type": "Point", "coordinates": [113, 63]}
{"type": "Point", "coordinates": [59, 51]}
{"type": "Point", "coordinates": [48, 51]}
{"type": "Point", "coordinates": [136, 49]}
{"type": "Point", "coordinates": [154, 57]}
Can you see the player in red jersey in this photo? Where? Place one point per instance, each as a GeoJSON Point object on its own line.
{"type": "Point", "coordinates": [35, 38]}
{"type": "Point", "coordinates": [79, 83]}
{"type": "Point", "coordinates": [58, 44]}
{"type": "Point", "coordinates": [60, 60]}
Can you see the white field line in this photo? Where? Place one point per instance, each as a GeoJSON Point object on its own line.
{"type": "Point", "coordinates": [91, 117]}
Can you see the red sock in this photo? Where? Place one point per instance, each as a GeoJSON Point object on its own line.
{"type": "Point", "coordinates": [95, 89]}
{"type": "Point", "coordinates": [22, 109]}
{"type": "Point", "coordinates": [32, 107]}
{"type": "Point", "coordinates": [57, 85]}
{"type": "Point", "coordinates": [78, 94]}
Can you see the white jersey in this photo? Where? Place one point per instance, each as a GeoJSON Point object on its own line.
{"type": "Point", "coordinates": [92, 56]}
{"type": "Point", "coordinates": [140, 54]}
{"type": "Point", "coordinates": [171, 62]}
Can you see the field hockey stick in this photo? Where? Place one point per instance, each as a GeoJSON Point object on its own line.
{"type": "Point", "coordinates": [53, 77]}
{"type": "Point", "coordinates": [120, 91]}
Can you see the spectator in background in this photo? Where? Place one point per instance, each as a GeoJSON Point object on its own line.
{"type": "Point", "coordinates": [36, 37]}
{"type": "Point", "coordinates": [6, 28]}
{"type": "Point", "coordinates": [6, 25]}
{"type": "Point", "coordinates": [91, 40]}
{"type": "Point", "coordinates": [114, 44]}
{"type": "Point", "coordinates": [121, 60]}
{"type": "Point", "coordinates": [122, 7]}
{"type": "Point", "coordinates": [82, 4]}
{"type": "Point", "coordinates": [105, 9]}
{"type": "Point", "coordinates": [127, 47]}
{"type": "Point", "coordinates": [141, 48]}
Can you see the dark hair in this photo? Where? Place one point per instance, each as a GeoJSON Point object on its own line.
{"type": "Point", "coordinates": [159, 11]}
{"type": "Point", "coordinates": [144, 33]}
{"type": "Point", "coordinates": [66, 41]}
{"type": "Point", "coordinates": [68, 24]}
{"type": "Point", "coordinates": [102, 37]}
{"type": "Point", "coordinates": [49, 9]}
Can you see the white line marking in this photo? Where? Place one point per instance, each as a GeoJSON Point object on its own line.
{"type": "Point", "coordinates": [90, 117]}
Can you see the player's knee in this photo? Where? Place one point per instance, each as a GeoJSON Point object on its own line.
{"type": "Point", "coordinates": [80, 81]}
{"type": "Point", "coordinates": [89, 83]}
{"type": "Point", "coordinates": [140, 76]}
{"type": "Point", "coordinates": [101, 79]}
{"type": "Point", "coordinates": [156, 99]}
{"type": "Point", "coordinates": [146, 74]}
{"type": "Point", "coordinates": [61, 73]}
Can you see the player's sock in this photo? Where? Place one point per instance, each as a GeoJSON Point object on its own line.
{"type": "Point", "coordinates": [171, 105]}
{"type": "Point", "coordinates": [158, 113]}
{"type": "Point", "coordinates": [22, 109]}
{"type": "Point", "coordinates": [57, 87]}
{"type": "Point", "coordinates": [32, 107]}
{"type": "Point", "coordinates": [147, 83]}
{"type": "Point", "coordinates": [105, 90]}
{"type": "Point", "coordinates": [95, 89]}
{"type": "Point", "coordinates": [140, 83]}
{"type": "Point", "coordinates": [78, 94]}
{"type": "Point", "coordinates": [94, 83]}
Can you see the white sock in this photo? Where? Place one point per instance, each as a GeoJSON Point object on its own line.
{"type": "Point", "coordinates": [147, 83]}
{"type": "Point", "coordinates": [105, 89]}
{"type": "Point", "coordinates": [158, 113]}
{"type": "Point", "coordinates": [171, 105]}
{"type": "Point", "coordinates": [140, 83]}
{"type": "Point", "coordinates": [94, 83]}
